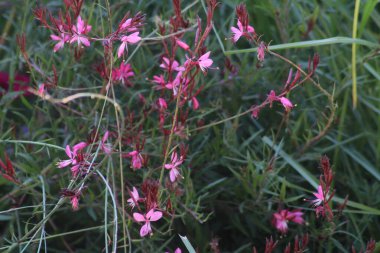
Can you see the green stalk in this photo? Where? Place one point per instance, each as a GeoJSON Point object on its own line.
{"type": "Point", "coordinates": [353, 63]}
{"type": "Point", "coordinates": [309, 43]}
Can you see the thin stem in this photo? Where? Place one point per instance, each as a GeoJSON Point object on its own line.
{"type": "Point", "coordinates": [353, 58]}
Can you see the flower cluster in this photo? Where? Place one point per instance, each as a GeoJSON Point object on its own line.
{"type": "Point", "coordinates": [324, 193]}
{"type": "Point", "coordinates": [80, 166]}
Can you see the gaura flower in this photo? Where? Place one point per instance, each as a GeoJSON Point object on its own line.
{"type": "Point", "coordinates": [123, 73]}
{"type": "Point", "coordinates": [195, 103]}
{"type": "Point", "coordinates": [135, 197]}
{"type": "Point", "coordinates": [168, 65]}
{"type": "Point", "coordinates": [178, 250]}
{"type": "Point", "coordinates": [41, 89]}
{"type": "Point", "coordinates": [147, 218]}
{"type": "Point", "coordinates": [281, 219]}
{"type": "Point", "coordinates": [271, 98]}
{"type": "Point", "coordinates": [106, 147]}
{"type": "Point", "coordinates": [162, 104]}
{"type": "Point", "coordinates": [79, 33]}
{"type": "Point", "coordinates": [137, 159]}
{"type": "Point", "coordinates": [182, 44]}
{"type": "Point", "coordinates": [173, 166]}
{"type": "Point", "coordinates": [261, 52]}
{"type": "Point", "coordinates": [204, 62]}
{"type": "Point", "coordinates": [319, 197]}
{"type": "Point", "coordinates": [72, 155]}
{"type": "Point", "coordinates": [75, 202]}
{"type": "Point", "coordinates": [127, 25]}
{"type": "Point", "coordinates": [62, 39]}
{"type": "Point", "coordinates": [241, 31]}
{"type": "Point", "coordinates": [286, 103]}
{"type": "Point", "coordinates": [132, 39]}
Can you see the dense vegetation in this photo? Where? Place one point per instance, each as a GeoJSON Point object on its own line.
{"type": "Point", "coordinates": [244, 127]}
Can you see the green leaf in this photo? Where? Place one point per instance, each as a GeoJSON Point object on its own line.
{"type": "Point", "coordinates": [187, 243]}
{"type": "Point", "coordinates": [309, 43]}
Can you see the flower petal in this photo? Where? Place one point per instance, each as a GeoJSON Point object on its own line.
{"type": "Point", "coordinates": [138, 217]}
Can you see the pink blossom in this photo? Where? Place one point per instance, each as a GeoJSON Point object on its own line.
{"type": "Point", "coordinates": [162, 104]}
{"type": "Point", "coordinates": [173, 85]}
{"type": "Point", "coordinates": [195, 103]}
{"type": "Point", "coordinates": [72, 155]}
{"type": "Point", "coordinates": [204, 62]}
{"type": "Point", "coordinates": [241, 31]}
{"type": "Point", "coordinates": [281, 219]}
{"type": "Point", "coordinates": [160, 81]}
{"type": "Point", "coordinates": [255, 111]}
{"type": "Point", "coordinates": [178, 250]}
{"type": "Point", "coordinates": [272, 97]}
{"type": "Point", "coordinates": [319, 197]}
{"type": "Point", "coordinates": [127, 25]}
{"type": "Point", "coordinates": [135, 197]}
{"type": "Point", "coordinates": [182, 44]}
{"type": "Point", "coordinates": [123, 73]}
{"type": "Point", "coordinates": [261, 52]}
{"type": "Point", "coordinates": [286, 103]}
{"type": "Point", "coordinates": [173, 166]}
{"type": "Point", "coordinates": [79, 33]}
{"type": "Point", "coordinates": [41, 89]}
{"type": "Point", "coordinates": [168, 65]}
{"type": "Point", "coordinates": [147, 218]}
{"type": "Point", "coordinates": [75, 202]}
{"type": "Point", "coordinates": [132, 39]}
{"type": "Point", "coordinates": [62, 39]}
{"type": "Point", "coordinates": [106, 147]}
{"type": "Point", "coordinates": [137, 159]}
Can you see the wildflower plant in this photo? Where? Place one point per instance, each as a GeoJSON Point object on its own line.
{"type": "Point", "coordinates": [151, 128]}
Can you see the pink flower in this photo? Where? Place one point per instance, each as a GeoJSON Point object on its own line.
{"type": "Point", "coordinates": [319, 197]}
{"type": "Point", "coordinates": [195, 103]}
{"type": "Point", "coordinates": [261, 52]}
{"type": "Point", "coordinates": [79, 33]}
{"type": "Point", "coordinates": [106, 147]}
{"type": "Point", "coordinates": [75, 202]}
{"type": "Point", "coordinates": [134, 197]}
{"type": "Point", "coordinates": [281, 219]}
{"type": "Point", "coordinates": [172, 166]}
{"type": "Point", "coordinates": [255, 111]}
{"type": "Point", "coordinates": [62, 39]}
{"type": "Point", "coordinates": [173, 85]}
{"type": "Point", "coordinates": [123, 73]}
{"type": "Point", "coordinates": [182, 44]}
{"type": "Point", "coordinates": [204, 62]}
{"type": "Point", "coordinates": [72, 155]}
{"type": "Point", "coordinates": [132, 39]}
{"type": "Point", "coordinates": [147, 218]}
{"type": "Point", "coordinates": [137, 159]}
{"type": "Point", "coordinates": [286, 103]}
{"type": "Point", "coordinates": [127, 25]}
{"type": "Point", "coordinates": [178, 250]}
{"type": "Point", "coordinates": [272, 97]}
{"type": "Point", "coordinates": [241, 31]}
{"type": "Point", "coordinates": [168, 65]}
{"type": "Point", "coordinates": [297, 217]}
{"type": "Point", "coordinates": [41, 89]}
{"type": "Point", "coordinates": [162, 104]}
{"type": "Point", "coordinates": [160, 81]}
